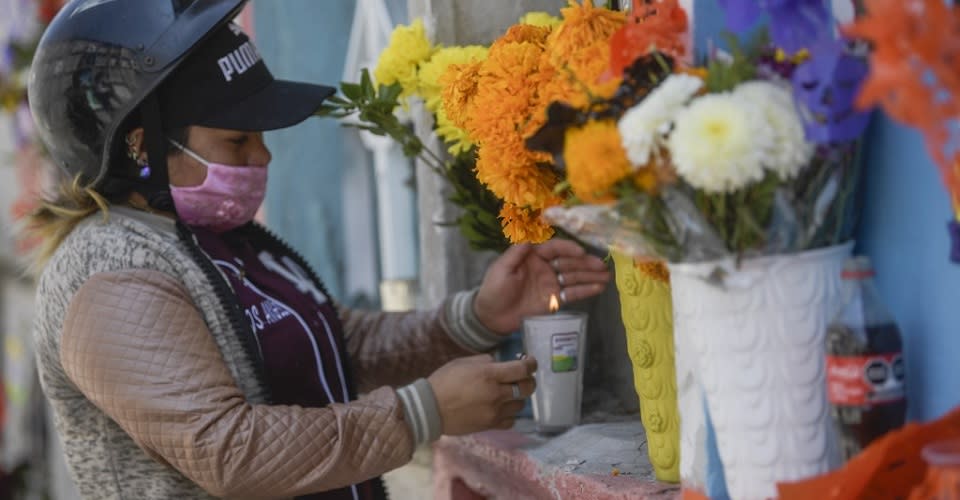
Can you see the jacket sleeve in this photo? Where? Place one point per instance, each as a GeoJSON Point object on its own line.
{"type": "Point", "coordinates": [137, 347]}
{"type": "Point", "coordinates": [394, 348]}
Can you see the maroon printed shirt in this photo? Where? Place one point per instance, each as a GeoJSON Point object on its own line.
{"type": "Point", "coordinates": [296, 326]}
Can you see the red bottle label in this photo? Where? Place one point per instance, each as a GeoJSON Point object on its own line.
{"type": "Point", "coordinates": [865, 380]}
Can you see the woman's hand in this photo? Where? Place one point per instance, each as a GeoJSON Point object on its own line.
{"type": "Point", "coordinates": [519, 283]}
{"type": "Point", "coordinates": [476, 394]}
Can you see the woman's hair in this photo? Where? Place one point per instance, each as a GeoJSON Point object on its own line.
{"type": "Point", "coordinates": [59, 214]}
{"type": "Point", "coordinates": [73, 200]}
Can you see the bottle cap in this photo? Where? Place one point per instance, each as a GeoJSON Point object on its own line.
{"type": "Point", "coordinates": [857, 268]}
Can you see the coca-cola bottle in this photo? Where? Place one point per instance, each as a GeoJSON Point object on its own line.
{"type": "Point", "coordinates": [865, 372]}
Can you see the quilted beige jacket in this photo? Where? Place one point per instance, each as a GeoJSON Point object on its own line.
{"type": "Point", "coordinates": [155, 396]}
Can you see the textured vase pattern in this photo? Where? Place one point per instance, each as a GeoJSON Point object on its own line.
{"type": "Point", "coordinates": [757, 348]}
{"type": "Point", "coordinates": [645, 305]}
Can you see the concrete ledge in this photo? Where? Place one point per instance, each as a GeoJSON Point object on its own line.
{"type": "Point", "coordinates": [605, 461]}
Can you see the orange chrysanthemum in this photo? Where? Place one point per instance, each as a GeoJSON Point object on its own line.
{"type": "Point", "coordinates": [661, 25]}
{"type": "Point", "coordinates": [595, 160]}
{"type": "Point", "coordinates": [521, 225]}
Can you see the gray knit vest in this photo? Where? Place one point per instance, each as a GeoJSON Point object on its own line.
{"type": "Point", "coordinates": [104, 460]}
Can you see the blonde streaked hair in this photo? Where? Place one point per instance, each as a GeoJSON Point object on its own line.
{"type": "Point", "coordinates": [58, 215]}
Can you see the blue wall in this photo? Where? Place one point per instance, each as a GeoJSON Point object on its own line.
{"type": "Point", "coordinates": [903, 229]}
{"type": "Point", "coordinates": [307, 40]}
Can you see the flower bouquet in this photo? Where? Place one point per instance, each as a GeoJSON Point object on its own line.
{"type": "Point", "coordinates": [739, 173]}
{"type": "Point", "coordinates": [486, 102]}
{"type": "Point", "coordinates": [500, 103]}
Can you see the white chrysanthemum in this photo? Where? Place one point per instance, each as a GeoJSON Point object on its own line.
{"type": "Point", "coordinates": [719, 142]}
{"type": "Point", "coordinates": [643, 127]}
{"type": "Point", "coordinates": [791, 151]}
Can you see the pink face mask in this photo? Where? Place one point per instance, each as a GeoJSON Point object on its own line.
{"type": "Point", "coordinates": [228, 198]}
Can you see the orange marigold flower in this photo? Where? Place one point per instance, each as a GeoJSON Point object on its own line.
{"type": "Point", "coordinates": [582, 25]}
{"type": "Point", "coordinates": [653, 269]}
{"type": "Point", "coordinates": [504, 96]}
{"type": "Point", "coordinates": [514, 175]}
{"type": "Point", "coordinates": [579, 78]}
{"type": "Point", "coordinates": [578, 55]}
{"type": "Point", "coordinates": [459, 83]}
{"type": "Point", "coordinates": [520, 33]}
{"type": "Point", "coordinates": [522, 225]}
{"type": "Point", "coordinates": [647, 179]}
{"type": "Point", "coordinates": [595, 160]}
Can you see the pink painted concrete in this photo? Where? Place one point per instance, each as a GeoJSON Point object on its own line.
{"type": "Point", "coordinates": [495, 466]}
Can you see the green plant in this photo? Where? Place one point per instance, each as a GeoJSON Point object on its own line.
{"type": "Point", "coordinates": [372, 107]}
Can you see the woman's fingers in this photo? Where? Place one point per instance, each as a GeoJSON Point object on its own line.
{"type": "Point", "coordinates": [568, 279]}
{"type": "Point", "coordinates": [513, 371]}
{"type": "Point", "coordinates": [583, 263]}
{"type": "Point", "coordinates": [580, 292]}
{"type": "Point", "coordinates": [517, 391]}
{"type": "Point", "coordinates": [558, 248]}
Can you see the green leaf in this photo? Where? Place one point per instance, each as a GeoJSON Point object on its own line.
{"type": "Point", "coordinates": [352, 91]}
{"type": "Point", "coordinates": [390, 93]}
{"type": "Point", "coordinates": [366, 85]}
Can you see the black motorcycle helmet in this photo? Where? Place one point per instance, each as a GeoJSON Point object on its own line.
{"type": "Point", "coordinates": [104, 64]}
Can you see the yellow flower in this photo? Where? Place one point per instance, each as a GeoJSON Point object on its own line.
{"type": "Point", "coordinates": [521, 225]}
{"type": "Point", "coordinates": [541, 19]}
{"type": "Point", "coordinates": [408, 48]}
{"type": "Point", "coordinates": [595, 160]}
{"type": "Point", "coordinates": [431, 71]}
{"type": "Point", "coordinates": [457, 139]}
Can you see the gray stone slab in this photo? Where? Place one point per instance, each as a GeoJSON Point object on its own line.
{"type": "Point", "coordinates": [598, 448]}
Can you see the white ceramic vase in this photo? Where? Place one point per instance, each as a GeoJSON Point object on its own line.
{"type": "Point", "coordinates": [754, 346]}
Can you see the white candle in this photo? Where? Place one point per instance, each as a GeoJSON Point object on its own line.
{"type": "Point", "coordinates": [558, 342]}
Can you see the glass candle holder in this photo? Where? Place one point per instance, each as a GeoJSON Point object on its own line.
{"type": "Point", "coordinates": [558, 342]}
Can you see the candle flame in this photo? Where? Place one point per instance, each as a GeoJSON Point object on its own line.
{"type": "Point", "coordinates": [554, 303]}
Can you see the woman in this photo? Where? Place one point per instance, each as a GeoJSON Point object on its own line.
{"type": "Point", "coordinates": [186, 351]}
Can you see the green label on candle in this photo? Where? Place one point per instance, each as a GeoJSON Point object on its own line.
{"type": "Point", "coordinates": [565, 351]}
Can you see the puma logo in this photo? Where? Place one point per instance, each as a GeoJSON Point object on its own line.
{"type": "Point", "coordinates": [239, 61]}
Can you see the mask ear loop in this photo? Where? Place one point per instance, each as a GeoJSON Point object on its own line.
{"type": "Point", "coordinates": [188, 152]}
